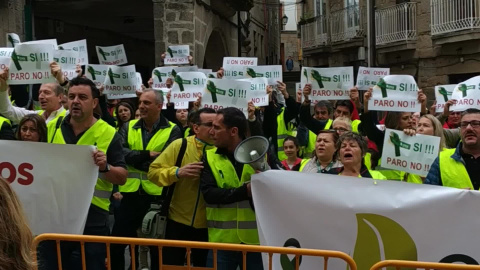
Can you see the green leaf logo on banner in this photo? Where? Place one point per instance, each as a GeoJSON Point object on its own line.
{"type": "Point", "coordinates": [159, 75]}
{"type": "Point", "coordinates": [93, 72]}
{"type": "Point", "coordinates": [395, 139]}
{"type": "Point", "coordinates": [317, 77]}
{"type": "Point", "coordinates": [375, 232]}
{"type": "Point", "coordinates": [383, 86]}
{"type": "Point", "coordinates": [214, 91]}
{"type": "Point", "coordinates": [17, 59]}
{"type": "Point", "coordinates": [174, 73]}
{"type": "Point", "coordinates": [305, 73]}
{"type": "Point", "coordinates": [104, 54]}
{"type": "Point", "coordinates": [170, 51]}
{"type": "Point", "coordinates": [181, 82]}
{"type": "Point", "coordinates": [463, 88]}
{"type": "Point", "coordinates": [13, 41]}
{"type": "Point", "coordinates": [211, 76]}
{"type": "Point", "coordinates": [112, 75]}
{"type": "Point", "coordinates": [444, 93]}
{"type": "Point", "coordinates": [253, 74]}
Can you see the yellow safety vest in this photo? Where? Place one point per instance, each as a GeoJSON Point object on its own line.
{"type": "Point", "coordinates": [303, 163]}
{"type": "Point", "coordinates": [62, 114]}
{"type": "Point", "coordinates": [235, 222]}
{"type": "Point", "coordinates": [377, 175]}
{"type": "Point", "coordinates": [453, 173]}
{"type": "Point", "coordinates": [415, 179]}
{"type": "Point", "coordinates": [283, 131]}
{"type": "Point", "coordinates": [355, 124]}
{"type": "Point", "coordinates": [101, 135]}
{"type": "Point", "coordinates": [187, 132]}
{"type": "Point", "coordinates": [135, 142]}
{"type": "Point", "coordinates": [3, 120]}
{"type": "Point", "coordinates": [328, 125]}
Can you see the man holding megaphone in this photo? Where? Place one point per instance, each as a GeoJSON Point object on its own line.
{"type": "Point", "coordinates": [226, 188]}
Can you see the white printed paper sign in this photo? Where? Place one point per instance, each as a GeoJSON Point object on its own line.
{"type": "Point", "coordinates": [12, 40]}
{"type": "Point", "coordinates": [258, 91]}
{"type": "Point", "coordinates": [113, 55]}
{"type": "Point", "coordinates": [222, 93]}
{"type": "Point", "coordinates": [68, 62]}
{"type": "Point", "coordinates": [234, 67]}
{"type": "Point", "coordinates": [369, 77]}
{"type": "Point", "coordinates": [52, 42]}
{"type": "Point", "coordinates": [31, 64]}
{"type": "Point", "coordinates": [120, 80]}
{"type": "Point", "coordinates": [51, 202]}
{"type": "Point", "coordinates": [443, 93]}
{"type": "Point", "coordinates": [160, 76]}
{"type": "Point", "coordinates": [328, 83]}
{"type": "Point", "coordinates": [467, 95]}
{"type": "Point", "coordinates": [273, 73]}
{"type": "Point", "coordinates": [188, 86]}
{"type": "Point", "coordinates": [412, 154]}
{"type": "Point", "coordinates": [177, 55]}
{"type": "Point", "coordinates": [396, 93]}
{"type": "Point", "coordinates": [206, 72]}
{"type": "Point", "coordinates": [96, 73]}
{"type": "Point", "coordinates": [79, 46]}
{"type": "Point", "coordinates": [6, 52]}
{"type": "Point", "coordinates": [4, 63]}
{"type": "Point", "coordinates": [129, 95]}
{"type": "Point", "coordinates": [176, 105]}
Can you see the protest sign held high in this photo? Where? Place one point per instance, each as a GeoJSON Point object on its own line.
{"type": "Point", "coordinates": [369, 77]}
{"type": "Point", "coordinates": [79, 46]}
{"type": "Point", "coordinates": [177, 55]}
{"type": "Point", "coordinates": [234, 67]}
{"type": "Point", "coordinates": [188, 86]}
{"type": "Point", "coordinates": [12, 40]}
{"type": "Point", "coordinates": [328, 83]}
{"type": "Point", "coordinates": [120, 80]}
{"type": "Point", "coordinates": [272, 73]}
{"type": "Point", "coordinates": [467, 94]}
{"type": "Point", "coordinates": [258, 91]}
{"type": "Point", "coordinates": [112, 55]}
{"type": "Point", "coordinates": [443, 93]}
{"type": "Point", "coordinates": [96, 73]}
{"type": "Point", "coordinates": [222, 93]}
{"type": "Point", "coordinates": [30, 63]}
{"type": "Point", "coordinates": [397, 93]}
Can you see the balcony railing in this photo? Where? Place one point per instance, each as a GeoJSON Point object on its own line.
{"type": "Point", "coordinates": [396, 23]}
{"type": "Point", "coordinates": [347, 24]}
{"type": "Point", "coordinates": [315, 34]}
{"type": "Point", "coordinates": [454, 15]}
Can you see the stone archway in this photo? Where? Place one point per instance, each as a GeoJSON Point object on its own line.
{"type": "Point", "coordinates": [215, 51]}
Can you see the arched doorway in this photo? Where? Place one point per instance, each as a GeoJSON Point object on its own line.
{"type": "Point", "coordinates": [215, 51]}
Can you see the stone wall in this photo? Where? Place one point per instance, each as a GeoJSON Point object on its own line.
{"type": "Point", "coordinates": [11, 19]}
{"type": "Point", "coordinates": [290, 45]}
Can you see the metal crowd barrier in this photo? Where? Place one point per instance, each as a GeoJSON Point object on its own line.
{"type": "Point", "coordinates": [398, 265]}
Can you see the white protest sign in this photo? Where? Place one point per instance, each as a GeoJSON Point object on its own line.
{"type": "Point", "coordinates": [212, 75]}
{"type": "Point", "coordinates": [68, 62]}
{"type": "Point", "coordinates": [96, 73]}
{"type": "Point", "coordinates": [412, 154]}
{"type": "Point", "coordinates": [177, 105]}
{"type": "Point", "coordinates": [6, 52]}
{"type": "Point", "coordinates": [397, 93]}
{"type": "Point", "coordinates": [52, 42]}
{"type": "Point", "coordinates": [221, 93]}
{"type": "Point", "coordinates": [120, 80]}
{"type": "Point", "coordinates": [443, 93]}
{"type": "Point", "coordinates": [369, 77]}
{"type": "Point", "coordinates": [160, 76]}
{"type": "Point", "coordinates": [112, 55]}
{"type": "Point", "coordinates": [234, 66]}
{"type": "Point", "coordinates": [205, 71]}
{"type": "Point", "coordinates": [467, 95]}
{"type": "Point", "coordinates": [272, 73]}
{"type": "Point", "coordinates": [176, 70]}
{"type": "Point", "coordinates": [188, 86]}
{"type": "Point", "coordinates": [258, 91]}
{"type": "Point", "coordinates": [368, 219]}
{"type": "Point", "coordinates": [31, 64]}
{"type": "Point", "coordinates": [79, 46]}
{"type": "Point", "coordinates": [328, 83]}
{"type": "Point", "coordinates": [12, 40]}
{"type": "Point", "coordinates": [4, 62]}
{"type": "Point", "coordinates": [52, 202]}
{"type": "Point", "coordinates": [128, 95]}
{"type": "Point", "coordinates": [177, 55]}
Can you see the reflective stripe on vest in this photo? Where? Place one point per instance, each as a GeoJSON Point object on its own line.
{"type": "Point", "coordinates": [303, 163]}
{"type": "Point", "coordinates": [355, 124]}
{"type": "Point", "coordinates": [187, 132]}
{"type": "Point", "coordinates": [328, 125]}
{"type": "Point", "coordinates": [235, 222]}
{"type": "Point", "coordinates": [100, 134]}
{"type": "Point", "coordinates": [453, 173]}
{"type": "Point", "coordinates": [282, 133]}
{"type": "Point", "coordinates": [3, 120]}
{"type": "Point", "coordinates": [390, 174]}
{"type": "Point", "coordinates": [135, 142]}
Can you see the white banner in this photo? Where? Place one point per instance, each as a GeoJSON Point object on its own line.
{"type": "Point", "coordinates": [467, 95]}
{"type": "Point", "coordinates": [443, 93]}
{"type": "Point", "coordinates": [177, 55]}
{"type": "Point", "coordinates": [221, 93]}
{"type": "Point", "coordinates": [328, 83]}
{"type": "Point", "coordinates": [31, 64]}
{"type": "Point", "coordinates": [412, 154]}
{"type": "Point", "coordinates": [176, 105]}
{"type": "Point", "coordinates": [96, 73]}
{"type": "Point", "coordinates": [128, 95]}
{"type": "Point", "coordinates": [4, 63]}
{"type": "Point", "coordinates": [368, 219]}
{"type": "Point", "coordinates": [79, 46]}
{"type": "Point", "coordinates": [68, 62]}
{"type": "Point", "coordinates": [206, 71]}
{"type": "Point", "coordinates": [12, 40]}
{"type": "Point", "coordinates": [160, 76]}
{"type": "Point", "coordinates": [52, 42]}
{"type": "Point", "coordinates": [6, 52]}
{"type": "Point", "coordinates": [55, 192]}
{"type": "Point", "coordinates": [112, 55]}
{"type": "Point", "coordinates": [188, 86]}
{"type": "Point", "coordinates": [369, 77]}
{"type": "Point", "coordinates": [272, 73]}
{"type": "Point", "coordinates": [397, 93]}
{"type": "Point", "coordinates": [120, 81]}
{"type": "Point", "coordinates": [258, 91]}
{"type": "Point", "coordinates": [212, 75]}
{"type": "Point", "coordinates": [234, 66]}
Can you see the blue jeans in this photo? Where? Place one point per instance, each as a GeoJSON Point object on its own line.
{"type": "Point", "coordinates": [230, 260]}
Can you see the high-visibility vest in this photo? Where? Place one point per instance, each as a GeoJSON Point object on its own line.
{"type": "Point", "coordinates": [415, 179]}
{"type": "Point", "coordinates": [235, 222]}
{"type": "Point", "coordinates": [355, 124]}
{"type": "Point", "coordinates": [283, 131]}
{"type": "Point", "coordinates": [453, 173]}
{"type": "Point", "coordinates": [101, 135]}
{"type": "Point", "coordinates": [303, 163]}
{"type": "Point", "coordinates": [3, 120]}
{"type": "Point", "coordinates": [187, 132]}
{"type": "Point", "coordinates": [135, 142]}
{"type": "Point", "coordinates": [63, 113]}
{"type": "Point", "coordinates": [328, 125]}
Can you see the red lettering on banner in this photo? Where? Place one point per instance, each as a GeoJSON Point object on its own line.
{"type": "Point", "coordinates": [367, 72]}
{"type": "Point", "coordinates": [181, 95]}
{"type": "Point", "coordinates": [215, 107]}
{"type": "Point", "coordinates": [338, 93]}
{"type": "Point", "coordinates": [396, 162]}
{"type": "Point", "coordinates": [19, 76]}
{"type": "Point", "coordinates": [383, 103]}
{"type": "Point", "coordinates": [37, 75]}
{"type": "Point", "coordinates": [12, 173]}
{"type": "Point", "coordinates": [380, 73]}
{"type": "Point", "coordinates": [3, 66]}
{"type": "Point", "coordinates": [402, 104]}
{"type": "Point", "coordinates": [321, 93]}
{"type": "Point", "coordinates": [416, 166]}
{"type": "Point", "coordinates": [197, 94]}
{"type": "Point", "coordinates": [246, 62]}
{"type": "Point", "coordinates": [478, 102]}
{"type": "Point", "coordinates": [112, 87]}
{"type": "Point", "coordinates": [465, 101]}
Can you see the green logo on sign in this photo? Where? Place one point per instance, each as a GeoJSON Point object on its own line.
{"type": "Point", "coordinates": [159, 75]}
{"type": "Point", "coordinates": [463, 88]}
{"type": "Point", "coordinates": [253, 74]}
{"type": "Point", "coordinates": [395, 139]}
{"type": "Point", "coordinates": [104, 54]}
{"type": "Point", "coordinates": [378, 235]}
{"type": "Point", "coordinates": [214, 91]}
{"type": "Point", "coordinates": [444, 93]}
{"type": "Point", "coordinates": [170, 51]}
{"type": "Point", "coordinates": [13, 41]}
{"type": "Point", "coordinates": [181, 82]}
{"type": "Point", "coordinates": [384, 86]}
{"type": "Point", "coordinates": [16, 58]}
{"type": "Point", "coordinates": [112, 75]}
{"type": "Point", "coordinates": [317, 77]}
{"type": "Point", "coordinates": [93, 72]}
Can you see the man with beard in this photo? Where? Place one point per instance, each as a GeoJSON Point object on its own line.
{"type": "Point", "coordinates": [460, 167]}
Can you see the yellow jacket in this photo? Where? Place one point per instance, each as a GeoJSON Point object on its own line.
{"type": "Point", "coordinates": [187, 206]}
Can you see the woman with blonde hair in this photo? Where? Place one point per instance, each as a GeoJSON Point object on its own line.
{"type": "Point", "coordinates": [15, 235]}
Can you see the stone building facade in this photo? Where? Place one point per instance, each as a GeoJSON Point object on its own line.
{"type": "Point", "coordinates": [289, 47]}
{"type": "Point", "coordinates": [436, 41]}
